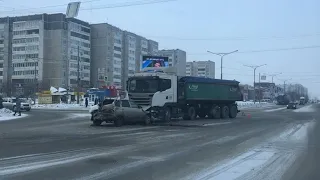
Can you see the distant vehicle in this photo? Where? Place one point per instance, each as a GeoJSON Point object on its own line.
{"type": "Point", "coordinates": [10, 103]}
{"type": "Point", "coordinates": [302, 101]}
{"type": "Point", "coordinates": [120, 112]}
{"type": "Point", "coordinates": [283, 100]}
{"type": "Point", "coordinates": [292, 105]}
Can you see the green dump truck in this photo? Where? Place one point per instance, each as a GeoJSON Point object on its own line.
{"type": "Point", "coordinates": [170, 96]}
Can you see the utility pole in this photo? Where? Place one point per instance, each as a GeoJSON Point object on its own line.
{"type": "Point", "coordinates": [78, 77]}
{"type": "Point", "coordinates": [259, 89]}
{"type": "Point", "coordinates": [284, 84]}
{"type": "Point", "coordinates": [221, 57]}
{"type": "Point", "coordinates": [254, 79]}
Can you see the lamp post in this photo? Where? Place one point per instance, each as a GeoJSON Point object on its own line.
{"type": "Point", "coordinates": [221, 57]}
{"type": "Point", "coordinates": [254, 79]}
{"type": "Point", "coordinates": [36, 62]}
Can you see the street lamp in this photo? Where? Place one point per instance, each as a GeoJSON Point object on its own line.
{"type": "Point", "coordinates": [36, 63]}
{"type": "Point", "coordinates": [221, 56]}
{"type": "Point", "coordinates": [254, 79]}
{"type": "Point", "coordinates": [273, 75]}
{"type": "Point", "coordinates": [284, 84]}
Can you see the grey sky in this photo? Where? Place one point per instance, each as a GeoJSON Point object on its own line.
{"type": "Point", "coordinates": [219, 26]}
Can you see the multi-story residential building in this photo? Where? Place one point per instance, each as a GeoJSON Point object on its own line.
{"type": "Point", "coordinates": [106, 53]}
{"type": "Point", "coordinates": [201, 69]}
{"type": "Point", "coordinates": [42, 51]}
{"type": "Point", "coordinates": [177, 58]}
{"type": "Point", "coordinates": [116, 54]}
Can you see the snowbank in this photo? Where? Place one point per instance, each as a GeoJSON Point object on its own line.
{"type": "Point", "coordinates": [242, 104]}
{"type": "Point", "coordinates": [308, 108]}
{"type": "Point", "coordinates": [59, 106]}
{"type": "Point", "coordinates": [6, 114]}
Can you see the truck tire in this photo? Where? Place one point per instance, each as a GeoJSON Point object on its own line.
{"type": "Point", "coordinates": [192, 113]}
{"type": "Point", "coordinates": [224, 112]}
{"type": "Point", "coordinates": [233, 111]}
{"type": "Point", "coordinates": [119, 121]}
{"type": "Point", "coordinates": [167, 114]}
{"type": "Point", "coordinates": [214, 112]}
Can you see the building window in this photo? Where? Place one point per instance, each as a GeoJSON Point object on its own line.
{"type": "Point", "coordinates": [33, 31]}
{"type": "Point", "coordinates": [81, 36]}
{"type": "Point", "coordinates": [85, 29]}
{"type": "Point", "coordinates": [117, 55]}
{"type": "Point", "coordinates": [117, 48]}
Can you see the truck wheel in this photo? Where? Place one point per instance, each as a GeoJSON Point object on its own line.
{"type": "Point", "coordinates": [167, 114]}
{"type": "Point", "coordinates": [233, 111]}
{"type": "Point", "coordinates": [97, 122]}
{"type": "Point", "coordinates": [119, 121]}
{"type": "Point", "coordinates": [224, 112]}
{"type": "Point", "coordinates": [214, 112]}
{"type": "Point", "coordinates": [192, 113]}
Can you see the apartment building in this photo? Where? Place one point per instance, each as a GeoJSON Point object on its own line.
{"type": "Point", "coordinates": [201, 69]}
{"type": "Point", "coordinates": [107, 53]}
{"type": "Point", "coordinates": [116, 54]}
{"type": "Point", "coordinates": [42, 50]}
{"type": "Point", "coordinates": [177, 58]}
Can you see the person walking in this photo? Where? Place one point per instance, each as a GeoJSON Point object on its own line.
{"type": "Point", "coordinates": [18, 107]}
{"type": "Point", "coordinates": [86, 102]}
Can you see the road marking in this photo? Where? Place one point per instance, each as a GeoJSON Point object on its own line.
{"type": "Point", "coordinates": [216, 124]}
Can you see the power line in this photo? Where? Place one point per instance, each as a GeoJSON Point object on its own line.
{"type": "Point", "coordinates": [268, 50]}
{"type": "Point", "coordinates": [109, 6]}
{"type": "Point", "coordinates": [238, 38]}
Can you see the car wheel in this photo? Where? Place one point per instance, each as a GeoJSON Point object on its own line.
{"type": "Point", "coordinates": [147, 120]}
{"type": "Point", "coordinates": [119, 121]}
{"type": "Point", "coordinates": [97, 122]}
{"type": "Point", "coordinates": [215, 112]}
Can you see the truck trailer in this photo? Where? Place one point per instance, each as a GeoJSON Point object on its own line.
{"type": "Point", "coordinates": [168, 96]}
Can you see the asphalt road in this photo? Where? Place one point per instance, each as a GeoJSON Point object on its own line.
{"type": "Point", "coordinates": [259, 144]}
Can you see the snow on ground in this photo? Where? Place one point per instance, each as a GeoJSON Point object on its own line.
{"type": "Point", "coordinates": [277, 109]}
{"type": "Point", "coordinates": [6, 114]}
{"type": "Point", "coordinates": [249, 104]}
{"type": "Point", "coordinates": [308, 108]}
{"type": "Point", "coordinates": [59, 106]}
{"type": "Point", "coordinates": [269, 160]}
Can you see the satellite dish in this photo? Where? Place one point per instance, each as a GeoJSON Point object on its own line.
{"type": "Point", "coordinates": [73, 9]}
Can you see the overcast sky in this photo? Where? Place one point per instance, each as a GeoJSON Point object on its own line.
{"type": "Point", "coordinates": [290, 28]}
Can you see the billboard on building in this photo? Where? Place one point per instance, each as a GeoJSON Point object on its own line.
{"type": "Point", "coordinates": [154, 62]}
{"type": "Point", "coordinates": [264, 77]}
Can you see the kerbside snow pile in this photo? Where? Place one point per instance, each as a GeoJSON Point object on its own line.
{"type": "Point", "coordinates": [242, 104]}
{"type": "Point", "coordinates": [60, 106]}
{"type": "Point", "coordinates": [6, 114]}
{"type": "Point", "coordinates": [308, 108]}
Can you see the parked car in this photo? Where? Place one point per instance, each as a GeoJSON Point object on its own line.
{"type": "Point", "coordinates": [120, 112]}
{"type": "Point", "coordinates": [10, 103]}
{"type": "Point", "coordinates": [292, 105]}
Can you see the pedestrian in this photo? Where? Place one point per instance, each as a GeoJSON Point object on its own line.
{"type": "Point", "coordinates": [86, 102]}
{"type": "Point", "coordinates": [18, 107]}
{"type": "Point", "coordinates": [1, 102]}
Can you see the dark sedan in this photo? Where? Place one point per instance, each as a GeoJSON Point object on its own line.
{"type": "Point", "coordinates": [292, 105]}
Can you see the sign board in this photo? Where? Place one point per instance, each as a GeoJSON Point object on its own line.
{"type": "Point", "coordinates": [73, 9]}
{"type": "Point", "coordinates": [263, 77]}
{"type": "Point", "coordinates": [154, 62]}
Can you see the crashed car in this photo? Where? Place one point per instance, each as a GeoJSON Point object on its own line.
{"type": "Point", "coordinates": [120, 112]}
{"type": "Point", "coordinates": [95, 108]}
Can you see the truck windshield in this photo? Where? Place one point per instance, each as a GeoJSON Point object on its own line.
{"type": "Point", "coordinates": [144, 85]}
